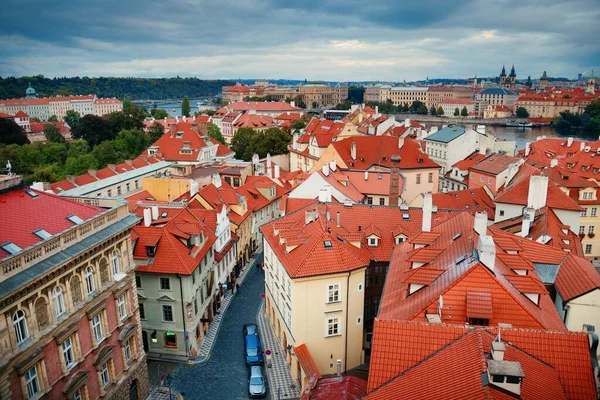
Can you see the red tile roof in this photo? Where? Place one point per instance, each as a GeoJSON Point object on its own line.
{"type": "Point", "coordinates": [254, 121]}
{"type": "Point", "coordinates": [308, 364]}
{"type": "Point", "coordinates": [494, 164]}
{"type": "Point", "coordinates": [254, 198]}
{"type": "Point", "coordinates": [264, 106]}
{"type": "Point", "coordinates": [289, 116]}
{"type": "Point", "coordinates": [470, 200]}
{"type": "Point", "coordinates": [377, 150]}
{"type": "Point", "coordinates": [21, 214]}
{"type": "Point", "coordinates": [576, 277]}
{"type": "Point", "coordinates": [473, 158]}
{"type": "Point", "coordinates": [407, 357]}
{"type": "Point", "coordinates": [347, 388]}
{"type": "Point", "coordinates": [556, 198]}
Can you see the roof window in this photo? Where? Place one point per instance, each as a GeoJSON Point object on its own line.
{"type": "Point", "coordinates": [164, 214]}
{"type": "Point", "coordinates": [75, 219]}
{"type": "Point", "coordinates": [327, 244]}
{"type": "Point", "coordinates": [11, 248]}
{"type": "Point", "coordinates": [32, 193]}
{"type": "Point", "coordinates": [406, 216]}
{"type": "Point", "coordinates": [42, 234]}
{"type": "Point", "coordinates": [456, 236]}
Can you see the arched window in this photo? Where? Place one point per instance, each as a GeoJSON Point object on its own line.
{"type": "Point", "coordinates": [59, 301]}
{"type": "Point", "coordinates": [104, 276]}
{"type": "Point", "coordinates": [20, 325]}
{"type": "Point", "coordinates": [75, 286]}
{"type": "Point", "coordinates": [41, 313]}
{"type": "Point", "coordinates": [89, 281]}
{"type": "Point", "coordinates": [114, 262]}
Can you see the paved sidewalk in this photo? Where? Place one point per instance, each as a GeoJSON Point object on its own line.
{"type": "Point", "coordinates": [162, 393]}
{"type": "Point", "coordinates": [281, 382]}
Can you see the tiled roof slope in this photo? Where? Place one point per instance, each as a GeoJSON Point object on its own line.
{"type": "Point", "coordinates": [408, 357]}
{"type": "Point", "coordinates": [255, 199]}
{"type": "Point", "coordinates": [494, 164]}
{"type": "Point", "coordinates": [473, 158]}
{"type": "Point", "coordinates": [556, 198]}
{"type": "Point", "coordinates": [470, 200]}
{"type": "Point", "coordinates": [377, 150]}
{"type": "Point", "coordinates": [349, 249]}
{"type": "Point", "coordinates": [306, 361]}
{"type": "Point", "coordinates": [23, 211]}
{"type": "Point", "coordinates": [457, 239]}
{"type": "Point", "coordinates": [172, 255]}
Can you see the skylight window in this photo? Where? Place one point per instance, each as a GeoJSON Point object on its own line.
{"type": "Point", "coordinates": [456, 236]}
{"type": "Point", "coordinates": [327, 244]}
{"type": "Point", "coordinates": [42, 234]}
{"type": "Point", "coordinates": [75, 219]}
{"type": "Point", "coordinates": [10, 248]}
{"type": "Point", "coordinates": [164, 215]}
{"type": "Point", "coordinates": [405, 216]}
{"type": "Point", "coordinates": [32, 193]}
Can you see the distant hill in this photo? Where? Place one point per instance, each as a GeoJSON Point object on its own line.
{"type": "Point", "coordinates": [133, 88]}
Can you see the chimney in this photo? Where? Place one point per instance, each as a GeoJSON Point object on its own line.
{"type": "Point", "coordinates": [395, 181]}
{"type": "Point", "coordinates": [538, 192]}
{"type": "Point", "coordinates": [554, 162]}
{"type": "Point", "coordinates": [498, 349]}
{"type": "Point", "coordinates": [486, 248]}
{"type": "Point", "coordinates": [325, 169]}
{"type": "Point", "coordinates": [480, 223]}
{"type": "Point", "coordinates": [154, 210]}
{"type": "Point", "coordinates": [376, 112]}
{"type": "Point", "coordinates": [92, 172]}
{"type": "Point", "coordinates": [269, 170]}
{"type": "Point", "coordinates": [295, 141]}
{"type": "Point", "coordinates": [310, 215]}
{"type": "Point", "coordinates": [528, 217]}
{"type": "Point", "coordinates": [527, 148]}
{"type": "Point", "coordinates": [407, 122]}
{"type": "Point", "coordinates": [339, 368]}
{"type": "Point", "coordinates": [172, 129]}
{"type": "Point", "coordinates": [293, 103]}
{"type": "Point", "coordinates": [581, 146]}
{"type": "Point", "coordinates": [216, 180]}
{"type": "Point", "coordinates": [569, 141]}
{"type": "Point", "coordinates": [193, 188]}
{"type": "Point", "coordinates": [400, 142]}
{"type": "Point", "coordinates": [427, 210]}
{"type": "Point", "coordinates": [366, 175]}
{"type": "Point", "coordinates": [353, 150]}
{"type": "Point", "coordinates": [332, 165]}
{"type": "Point", "coordinates": [255, 159]}
{"type": "Point", "coordinates": [268, 160]}
{"type": "Point", "coordinates": [325, 195]}
{"type": "Point", "coordinates": [512, 171]}
{"type": "Point", "coordinates": [112, 167]}
{"type": "Point", "coordinates": [338, 219]}
{"type": "Point", "coordinates": [147, 217]}
{"type": "Point", "coordinates": [276, 176]}
{"type": "Point", "coordinates": [129, 162]}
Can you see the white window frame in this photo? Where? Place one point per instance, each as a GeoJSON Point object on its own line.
{"type": "Point", "coordinates": [591, 229]}
{"type": "Point", "coordinates": [582, 229]}
{"type": "Point", "coordinates": [105, 375]}
{"type": "Point", "coordinates": [20, 325]}
{"type": "Point", "coordinates": [588, 249]}
{"type": "Point", "coordinates": [58, 298]}
{"type": "Point", "coordinates": [97, 328]}
{"type": "Point", "coordinates": [334, 323]}
{"type": "Point", "coordinates": [160, 278]}
{"type": "Point", "coordinates": [68, 352]}
{"type": "Point", "coordinates": [32, 378]}
{"type": "Point", "coordinates": [594, 211]}
{"type": "Point", "coordinates": [127, 351]}
{"type": "Point", "coordinates": [114, 262]}
{"type": "Point", "coordinates": [332, 296]}
{"type": "Point", "coordinates": [163, 313]}
{"type": "Point", "coordinates": [89, 280]}
{"type": "Point", "coordinates": [122, 307]}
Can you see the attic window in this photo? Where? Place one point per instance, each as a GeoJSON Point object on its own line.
{"type": "Point", "coordinates": [151, 251]}
{"type": "Point", "coordinates": [406, 216]}
{"type": "Point", "coordinates": [179, 135]}
{"type": "Point", "coordinates": [327, 244]}
{"type": "Point", "coordinates": [11, 248]}
{"type": "Point", "coordinates": [32, 193]}
{"type": "Point", "coordinates": [42, 234]}
{"type": "Point", "coordinates": [75, 219]}
{"type": "Point", "coordinates": [164, 215]}
{"type": "Point", "coordinates": [585, 167]}
{"type": "Point", "coordinates": [373, 242]}
{"type": "Point", "coordinates": [570, 165]}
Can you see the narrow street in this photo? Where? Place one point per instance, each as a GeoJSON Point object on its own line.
{"type": "Point", "coordinates": [224, 375]}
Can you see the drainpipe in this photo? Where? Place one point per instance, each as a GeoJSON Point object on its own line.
{"type": "Point", "coordinates": [183, 314]}
{"type": "Point", "coordinates": [347, 318]}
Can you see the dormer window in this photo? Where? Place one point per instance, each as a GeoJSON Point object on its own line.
{"type": "Point", "coordinates": [373, 241]}
{"type": "Point", "coordinates": [179, 135]}
{"type": "Point", "coordinates": [10, 248]}
{"type": "Point", "coordinates": [151, 251]}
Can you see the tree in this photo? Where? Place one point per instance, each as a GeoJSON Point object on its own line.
{"type": "Point", "coordinates": [94, 130]}
{"type": "Point", "coordinates": [53, 134]}
{"type": "Point", "coordinates": [416, 106]}
{"type": "Point", "coordinates": [433, 111]}
{"type": "Point", "coordinates": [215, 133]}
{"type": "Point", "coordinates": [53, 153]}
{"type": "Point", "coordinates": [271, 141]}
{"type": "Point", "coordinates": [159, 113]}
{"type": "Point", "coordinates": [185, 106]}
{"type": "Point", "coordinates": [11, 133]}
{"type": "Point", "coordinates": [456, 112]}
{"type": "Point", "coordinates": [53, 118]}
{"type": "Point", "coordinates": [240, 143]}
{"type": "Point", "coordinates": [155, 132]}
{"type": "Point", "coordinates": [522, 112]}
{"type": "Point", "coordinates": [78, 147]}
{"type": "Point", "coordinates": [72, 118]}
{"type": "Point", "coordinates": [130, 118]}
{"type": "Point", "coordinates": [298, 125]}
{"type": "Point", "coordinates": [345, 105]}
{"type": "Point", "coordinates": [422, 109]}
{"type": "Point", "coordinates": [104, 153]}
{"type": "Point", "coordinates": [440, 111]}
{"type": "Point", "coordinates": [80, 164]}
{"type": "Point", "coordinates": [356, 94]}
{"type": "Point", "coordinates": [464, 112]}
{"type": "Point", "coordinates": [299, 101]}
{"type": "Point", "coordinates": [130, 143]}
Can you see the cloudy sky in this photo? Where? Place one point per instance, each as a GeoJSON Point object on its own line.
{"type": "Point", "coordinates": [299, 39]}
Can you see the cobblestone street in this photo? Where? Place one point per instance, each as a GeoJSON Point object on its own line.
{"type": "Point", "coordinates": [224, 375]}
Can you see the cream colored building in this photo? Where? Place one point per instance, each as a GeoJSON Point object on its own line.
{"type": "Point", "coordinates": [323, 95]}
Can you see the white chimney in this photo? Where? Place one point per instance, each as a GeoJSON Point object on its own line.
{"type": "Point", "coordinates": [538, 192]}
{"type": "Point", "coordinates": [295, 141]}
{"type": "Point", "coordinates": [38, 186]}
{"type": "Point", "coordinates": [569, 141]}
{"type": "Point", "coordinates": [269, 170]}
{"type": "Point", "coordinates": [498, 349]}
{"type": "Point", "coordinates": [527, 148]}
{"type": "Point", "coordinates": [147, 217]}
{"type": "Point", "coordinates": [366, 175]}
{"type": "Point", "coordinates": [276, 176]}
{"type": "Point", "coordinates": [332, 165]}
{"type": "Point", "coordinates": [325, 169]}
{"type": "Point", "coordinates": [400, 142]}
{"type": "Point", "coordinates": [325, 195]}
{"type": "Point", "coordinates": [528, 216]}
{"type": "Point", "coordinates": [269, 160]}
{"type": "Point", "coordinates": [216, 180]}
{"type": "Point", "coordinates": [339, 368]}
{"type": "Point", "coordinates": [184, 119]}
{"type": "Point", "coordinates": [427, 210]}
{"type": "Point", "coordinates": [255, 159]}
{"type": "Point", "coordinates": [554, 162]}
{"type": "Point", "coordinates": [293, 103]}
{"type": "Point", "coordinates": [338, 219]}
{"type": "Point", "coordinates": [193, 188]}
{"type": "Point", "coordinates": [512, 171]}
{"type": "Point", "coordinates": [353, 150]}
{"type": "Point", "coordinates": [309, 216]}
{"type": "Point", "coordinates": [480, 223]}
{"type": "Point", "coordinates": [581, 146]}
{"type": "Point", "coordinates": [487, 251]}
{"type": "Point", "coordinates": [407, 122]}
{"type": "Point", "coordinates": [154, 212]}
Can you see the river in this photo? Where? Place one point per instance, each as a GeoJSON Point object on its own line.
{"type": "Point", "coordinates": [174, 107]}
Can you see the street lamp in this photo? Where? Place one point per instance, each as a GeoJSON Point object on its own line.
{"type": "Point", "coordinates": [153, 337]}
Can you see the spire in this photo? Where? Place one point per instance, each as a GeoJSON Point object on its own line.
{"type": "Point", "coordinates": [544, 76]}
{"type": "Point", "coordinates": [503, 73]}
{"type": "Point", "coordinates": [512, 71]}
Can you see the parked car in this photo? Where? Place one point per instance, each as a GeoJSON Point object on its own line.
{"type": "Point", "coordinates": [253, 350]}
{"type": "Point", "coordinates": [250, 329]}
{"type": "Point", "coordinates": [257, 385]}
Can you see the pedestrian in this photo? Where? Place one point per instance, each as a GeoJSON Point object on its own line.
{"type": "Point", "coordinates": [237, 287]}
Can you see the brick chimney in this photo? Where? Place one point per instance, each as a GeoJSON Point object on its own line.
{"type": "Point", "coordinates": [172, 129]}
{"type": "Point", "coordinates": [395, 180]}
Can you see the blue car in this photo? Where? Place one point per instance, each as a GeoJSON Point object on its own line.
{"type": "Point", "coordinates": [253, 350]}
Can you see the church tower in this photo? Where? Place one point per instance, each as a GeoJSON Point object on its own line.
{"type": "Point", "coordinates": [503, 76]}
{"type": "Point", "coordinates": [30, 92]}
{"type": "Point", "coordinates": [544, 81]}
{"type": "Point", "coordinates": [512, 78]}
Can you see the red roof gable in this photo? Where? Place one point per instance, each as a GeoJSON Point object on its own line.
{"type": "Point", "coordinates": [556, 198]}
